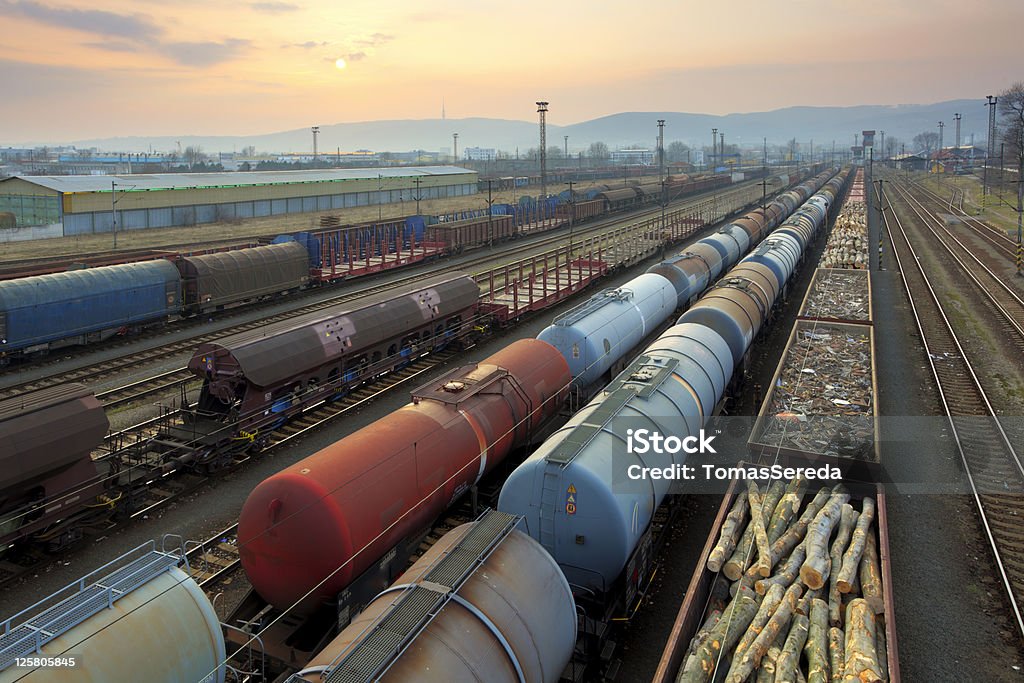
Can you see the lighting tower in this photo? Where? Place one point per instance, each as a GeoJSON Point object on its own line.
{"type": "Point", "coordinates": [542, 109]}
{"type": "Point", "coordinates": [991, 148]}
{"type": "Point", "coordinates": [661, 149]}
{"type": "Point", "coordinates": [957, 117]}
{"type": "Point", "coordinates": [714, 143]}
{"type": "Point", "coordinates": [455, 148]}
{"type": "Point", "coordinates": [316, 131]}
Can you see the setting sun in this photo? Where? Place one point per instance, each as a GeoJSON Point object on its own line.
{"type": "Point", "coordinates": [340, 63]}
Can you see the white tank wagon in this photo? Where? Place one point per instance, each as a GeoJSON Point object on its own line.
{"type": "Point", "coordinates": [137, 618]}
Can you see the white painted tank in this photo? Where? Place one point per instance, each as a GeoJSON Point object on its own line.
{"type": "Point", "coordinates": [164, 630]}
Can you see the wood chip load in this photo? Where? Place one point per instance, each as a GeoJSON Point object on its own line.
{"type": "Point", "coordinates": [788, 629]}
{"type": "Point", "coordinates": [822, 403]}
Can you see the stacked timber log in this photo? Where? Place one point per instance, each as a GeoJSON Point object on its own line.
{"type": "Point", "coordinates": [847, 245]}
{"type": "Point", "coordinates": [799, 594]}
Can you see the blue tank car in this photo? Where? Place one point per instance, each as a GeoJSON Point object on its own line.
{"type": "Point", "coordinates": [80, 306]}
{"type": "Point", "coordinates": [596, 334]}
{"type": "Point", "coordinates": [672, 388]}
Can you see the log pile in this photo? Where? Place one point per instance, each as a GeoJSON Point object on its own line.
{"type": "Point", "coordinates": [847, 245]}
{"type": "Point", "coordinates": [817, 615]}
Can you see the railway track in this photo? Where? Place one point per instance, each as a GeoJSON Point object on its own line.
{"type": "Point", "coordinates": [991, 234]}
{"type": "Point", "coordinates": [992, 466]}
{"type": "Point", "coordinates": [1002, 297]}
{"type": "Point", "coordinates": [716, 207]}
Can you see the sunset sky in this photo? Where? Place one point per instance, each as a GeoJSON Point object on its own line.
{"type": "Point", "coordinates": [71, 70]}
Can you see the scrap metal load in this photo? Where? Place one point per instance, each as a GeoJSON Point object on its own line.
{"type": "Point", "coordinates": [838, 295]}
{"type": "Point", "coordinates": [797, 587]}
{"type": "Point", "coordinates": [822, 399]}
{"type": "Point", "coordinates": [847, 245]}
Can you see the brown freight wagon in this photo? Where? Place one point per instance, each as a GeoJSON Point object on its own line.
{"type": "Point", "coordinates": [691, 615]}
{"type": "Point", "coordinates": [822, 405]}
{"type": "Point", "coordinates": [581, 211]}
{"type": "Point", "coordinates": [466, 234]}
{"type": "Point", "coordinates": [217, 280]}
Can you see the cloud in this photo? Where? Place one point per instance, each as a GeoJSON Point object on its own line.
{"type": "Point", "coordinates": [308, 45]}
{"type": "Point", "coordinates": [114, 46]}
{"type": "Point", "coordinates": [100, 22]}
{"type": "Point", "coordinates": [355, 56]}
{"type": "Point", "coordinates": [375, 40]}
{"type": "Point", "coordinates": [274, 7]}
{"type": "Point", "coordinates": [205, 53]}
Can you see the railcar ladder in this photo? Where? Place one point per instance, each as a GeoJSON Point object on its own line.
{"type": "Point", "coordinates": [396, 629]}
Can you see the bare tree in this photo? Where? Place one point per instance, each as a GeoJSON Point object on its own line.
{"type": "Point", "coordinates": [892, 143]}
{"type": "Point", "coordinates": [598, 151]}
{"type": "Point", "coordinates": [555, 152]}
{"type": "Point", "coordinates": [676, 151]}
{"type": "Point", "coordinates": [193, 155]}
{"type": "Point", "coordinates": [1011, 107]}
{"type": "Point", "coordinates": [926, 142]}
{"type": "Point", "coordinates": [249, 151]}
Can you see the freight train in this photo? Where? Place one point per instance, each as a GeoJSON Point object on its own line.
{"type": "Point", "coordinates": [604, 541]}
{"type": "Point", "coordinates": [85, 306]}
{"type": "Point", "coordinates": [337, 526]}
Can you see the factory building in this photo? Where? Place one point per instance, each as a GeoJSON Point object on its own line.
{"type": "Point", "coordinates": [85, 204]}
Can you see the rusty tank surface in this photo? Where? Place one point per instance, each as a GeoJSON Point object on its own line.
{"type": "Point", "coordinates": [308, 531]}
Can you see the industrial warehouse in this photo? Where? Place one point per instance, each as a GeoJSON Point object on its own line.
{"type": "Point", "coordinates": [56, 206]}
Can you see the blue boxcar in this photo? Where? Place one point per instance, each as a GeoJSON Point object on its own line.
{"type": "Point", "coordinates": [79, 306]}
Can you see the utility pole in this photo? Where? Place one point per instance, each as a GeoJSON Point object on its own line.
{"type": "Point", "coordinates": [664, 202]}
{"type": "Point", "coordinates": [455, 148]}
{"type": "Point", "coordinates": [939, 153]}
{"type": "Point", "coordinates": [764, 155]}
{"type": "Point", "coordinates": [113, 211]}
{"type": "Point", "coordinates": [721, 147]}
{"type": "Point", "coordinates": [956, 118]}
{"type": "Point", "coordinates": [416, 181]}
{"type": "Point", "coordinates": [990, 151]}
{"type": "Point", "coordinates": [316, 131]}
{"type": "Point", "coordinates": [714, 146]}
{"type": "Point", "coordinates": [380, 198]}
{"type": "Point", "coordinates": [490, 216]}
{"type": "Point", "coordinates": [572, 214]}
{"type": "Point", "coordinates": [881, 221]}
{"type": "Point", "coordinates": [542, 110]}
{"type": "Point", "coordinates": [883, 147]}
{"type": "Point", "coordinates": [566, 152]}
{"type": "Point", "coordinates": [661, 150]}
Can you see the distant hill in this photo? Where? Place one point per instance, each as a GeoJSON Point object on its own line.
{"type": "Point", "coordinates": [821, 124]}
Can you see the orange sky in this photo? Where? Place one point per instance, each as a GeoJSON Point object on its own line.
{"type": "Point", "coordinates": [71, 70]}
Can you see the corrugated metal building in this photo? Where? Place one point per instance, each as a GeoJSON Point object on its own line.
{"type": "Point", "coordinates": [82, 204]}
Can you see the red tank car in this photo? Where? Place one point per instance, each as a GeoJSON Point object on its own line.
{"type": "Point", "coordinates": [339, 511]}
